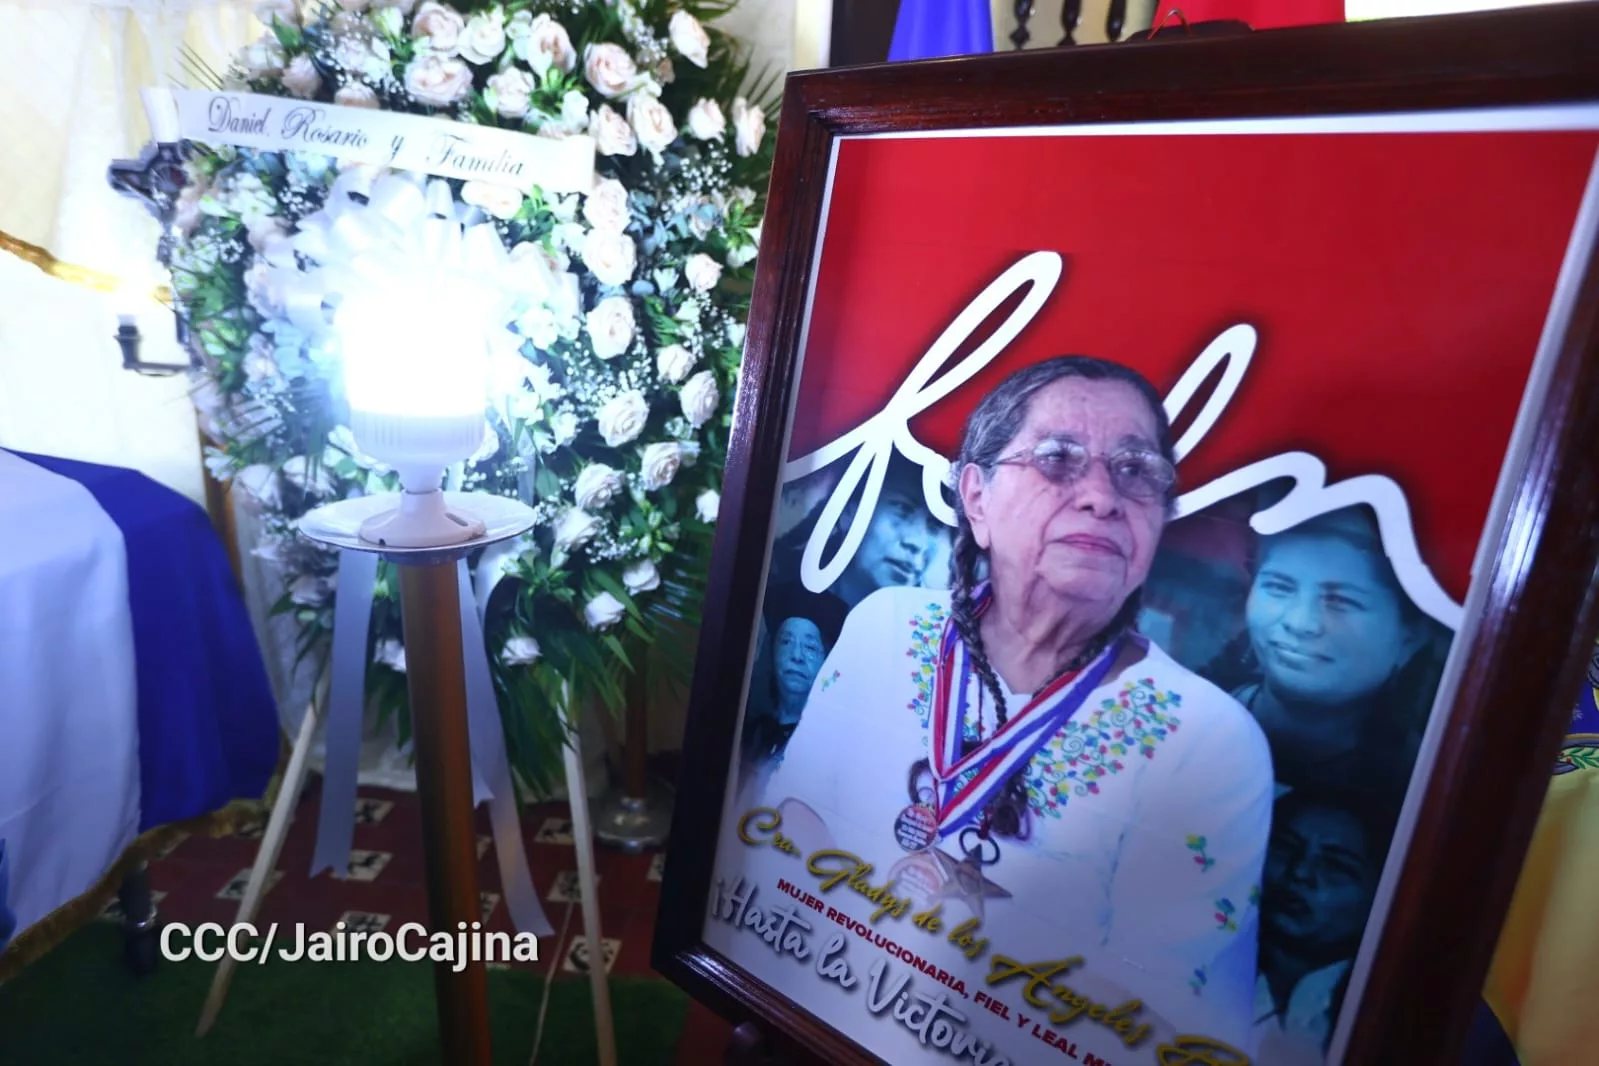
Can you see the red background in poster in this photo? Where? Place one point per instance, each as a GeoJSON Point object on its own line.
{"type": "Point", "coordinates": [1399, 284]}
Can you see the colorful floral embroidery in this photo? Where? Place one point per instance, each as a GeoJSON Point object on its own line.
{"type": "Point", "coordinates": [1092, 747]}
{"type": "Point", "coordinates": [1224, 916]}
{"type": "Point", "coordinates": [1197, 980]}
{"type": "Point", "coordinates": [926, 632]}
{"type": "Point", "coordinates": [827, 682]}
{"type": "Point", "coordinates": [1197, 846]}
{"type": "Point", "coordinates": [1085, 751]}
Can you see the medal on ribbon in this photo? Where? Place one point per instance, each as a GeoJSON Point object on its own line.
{"type": "Point", "coordinates": [916, 827]}
{"type": "Point", "coordinates": [965, 784]}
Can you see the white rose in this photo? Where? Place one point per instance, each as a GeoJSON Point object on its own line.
{"type": "Point", "coordinates": [602, 611]}
{"type": "Point", "coordinates": [355, 94]}
{"type": "Point", "coordinates": [596, 487]}
{"type": "Point", "coordinates": [706, 504]}
{"type": "Point", "coordinates": [262, 290]}
{"type": "Point", "coordinates": [436, 81]}
{"type": "Point", "coordinates": [705, 120]}
{"type": "Point", "coordinates": [391, 654]}
{"type": "Point", "coordinates": [622, 418]}
{"type": "Point", "coordinates": [673, 363]}
{"type": "Point", "coordinates": [570, 235]}
{"type": "Point", "coordinates": [441, 24]}
{"type": "Point", "coordinates": [264, 58]}
{"type": "Point", "coordinates": [574, 528]}
{"type": "Point", "coordinates": [609, 69]}
{"type": "Point", "coordinates": [611, 256]}
{"type": "Point", "coordinates": [612, 134]}
{"type": "Point", "coordinates": [652, 122]}
{"type": "Point", "coordinates": [483, 39]}
{"type": "Point", "coordinates": [308, 591]}
{"type": "Point", "coordinates": [749, 126]}
{"type": "Point", "coordinates": [690, 38]}
{"type": "Point", "coordinates": [737, 257]}
{"type": "Point", "coordinates": [699, 398]}
{"type": "Point", "coordinates": [610, 326]}
{"type": "Point", "coordinates": [501, 201]}
{"type": "Point", "coordinates": [641, 577]}
{"type": "Point", "coordinates": [606, 206]}
{"type": "Point", "coordinates": [564, 426]}
{"type": "Point", "coordinates": [362, 55]}
{"type": "Point", "coordinates": [519, 651]}
{"type": "Point", "coordinates": [301, 79]}
{"type": "Point", "coordinates": [575, 113]}
{"type": "Point", "coordinates": [511, 92]}
{"type": "Point", "coordinates": [263, 230]}
{"type": "Point", "coordinates": [660, 463]}
{"type": "Point", "coordinates": [702, 272]}
{"type": "Point", "coordinates": [402, 6]}
{"type": "Point", "coordinates": [544, 45]}
{"type": "Point", "coordinates": [285, 11]}
{"type": "Point", "coordinates": [353, 6]}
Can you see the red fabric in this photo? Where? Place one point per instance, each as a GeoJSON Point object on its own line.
{"type": "Point", "coordinates": [1260, 14]}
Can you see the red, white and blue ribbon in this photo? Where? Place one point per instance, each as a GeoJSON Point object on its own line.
{"type": "Point", "coordinates": [995, 759]}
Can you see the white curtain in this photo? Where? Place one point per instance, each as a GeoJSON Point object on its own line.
{"type": "Point", "coordinates": [70, 71]}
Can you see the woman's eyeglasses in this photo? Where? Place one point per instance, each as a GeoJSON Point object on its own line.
{"type": "Point", "coordinates": [1137, 473]}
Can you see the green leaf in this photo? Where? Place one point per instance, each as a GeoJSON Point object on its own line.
{"type": "Point", "coordinates": [288, 36]}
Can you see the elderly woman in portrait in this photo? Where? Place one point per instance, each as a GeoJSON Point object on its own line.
{"type": "Point", "coordinates": [1087, 795]}
{"type": "Point", "coordinates": [1336, 663]}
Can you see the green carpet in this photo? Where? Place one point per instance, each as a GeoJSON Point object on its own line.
{"type": "Point", "coordinates": [81, 1006]}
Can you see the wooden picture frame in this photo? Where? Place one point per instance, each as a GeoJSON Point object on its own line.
{"type": "Point", "coordinates": [1505, 695]}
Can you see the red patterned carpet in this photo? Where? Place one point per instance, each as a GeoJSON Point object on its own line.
{"type": "Point", "coordinates": [202, 880]}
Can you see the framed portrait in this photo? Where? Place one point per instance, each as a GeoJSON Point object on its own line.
{"type": "Point", "coordinates": [1155, 527]}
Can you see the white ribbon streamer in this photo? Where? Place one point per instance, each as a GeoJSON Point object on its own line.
{"type": "Point", "coordinates": [491, 768]}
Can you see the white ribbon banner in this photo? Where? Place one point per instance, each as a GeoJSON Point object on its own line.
{"type": "Point", "coordinates": [387, 138]}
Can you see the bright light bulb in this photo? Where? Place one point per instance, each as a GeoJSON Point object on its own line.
{"type": "Point", "coordinates": [403, 355]}
{"type": "Point", "coordinates": [416, 381]}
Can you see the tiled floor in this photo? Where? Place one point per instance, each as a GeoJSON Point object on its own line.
{"type": "Point", "coordinates": [202, 879]}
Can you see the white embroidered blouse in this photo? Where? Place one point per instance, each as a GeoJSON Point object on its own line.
{"type": "Point", "coordinates": [1149, 815]}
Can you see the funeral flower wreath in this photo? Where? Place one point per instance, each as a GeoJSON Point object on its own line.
{"type": "Point", "coordinates": [616, 373]}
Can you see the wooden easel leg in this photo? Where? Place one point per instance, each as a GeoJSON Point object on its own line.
{"type": "Point", "coordinates": [266, 858]}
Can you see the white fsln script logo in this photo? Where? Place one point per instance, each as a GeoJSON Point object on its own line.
{"type": "Point", "coordinates": [871, 445]}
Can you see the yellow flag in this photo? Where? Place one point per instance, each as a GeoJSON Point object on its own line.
{"type": "Point", "coordinates": [1544, 982]}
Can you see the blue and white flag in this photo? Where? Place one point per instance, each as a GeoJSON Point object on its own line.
{"type": "Point", "coordinates": [135, 692]}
